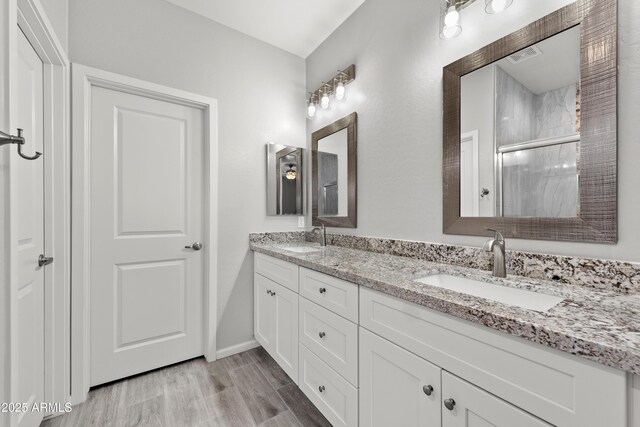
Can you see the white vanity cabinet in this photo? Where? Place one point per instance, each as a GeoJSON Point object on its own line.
{"type": "Point", "coordinates": [367, 358]}
{"type": "Point", "coordinates": [276, 312]}
{"type": "Point", "coordinates": [396, 387]}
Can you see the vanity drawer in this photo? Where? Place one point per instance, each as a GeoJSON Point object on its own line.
{"type": "Point", "coordinates": [328, 391]}
{"type": "Point", "coordinates": [331, 337]}
{"type": "Point", "coordinates": [553, 385]}
{"type": "Point", "coordinates": [337, 295]}
{"type": "Point", "coordinates": [279, 271]}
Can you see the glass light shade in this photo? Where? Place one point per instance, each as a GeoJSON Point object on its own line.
{"type": "Point", "coordinates": [451, 32]}
{"type": "Point", "coordinates": [496, 6]}
{"type": "Point", "coordinates": [324, 101]}
{"type": "Point", "coordinates": [311, 109]}
{"type": "Point", "coordinates": [452, 17]}
{"type": "Point", "coordinates": [291, 175]}
{"type": "Point", "coordinates": [341, 91]}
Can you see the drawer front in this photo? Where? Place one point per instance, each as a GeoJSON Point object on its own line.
{"type": "Point", "coordinates": [331, 337]}
{"type": "Point", "coordinates": [328, 391]}
{"type": "Point", "coordinates": [553, 385]}
{"type": "Point", "coordinates": [337, 295]}
{"type": "Point", "coordinates": [279, 271]}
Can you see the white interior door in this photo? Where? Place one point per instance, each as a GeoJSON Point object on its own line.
{"type": "Point", "coordinates": [469, 175]}
{"type": "Point", "coordinates": [146, 180]}
{"type": "Point", "coordinates": [28, 225]}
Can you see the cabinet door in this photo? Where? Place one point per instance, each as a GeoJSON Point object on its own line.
{"type": "Point", "coordinates": [397, 388]}
{"type": "Point", "coordinates": [285, 344]}
{"type": "Point", "coordinates": [470, 406]}
{"type": "Point", "coordinates": [264, 311]}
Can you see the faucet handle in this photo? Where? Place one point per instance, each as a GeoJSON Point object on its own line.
{"type": "Point", "coordinates": [498, 235]}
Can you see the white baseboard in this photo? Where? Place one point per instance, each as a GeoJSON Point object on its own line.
{"type": "Point", "coordinates": [238, 348]}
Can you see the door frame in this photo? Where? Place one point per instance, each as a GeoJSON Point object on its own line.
{"type": "Point", "coordinates": [83, 79]}
{"type": "Point", "coordinates": [30, 17]}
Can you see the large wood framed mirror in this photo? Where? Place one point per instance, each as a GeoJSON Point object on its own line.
{"type": "Point", "coordinates": [530, 131]}
{"type": "Point", "coordinates": [334, 180]}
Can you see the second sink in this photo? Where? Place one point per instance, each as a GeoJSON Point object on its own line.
{"type": "Point", "coordinates": [503, 294]}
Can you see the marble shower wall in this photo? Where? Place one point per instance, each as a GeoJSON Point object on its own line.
{"type": "Point", "coordinates": [539, 181]}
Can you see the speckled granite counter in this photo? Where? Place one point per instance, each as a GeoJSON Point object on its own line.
{"type": "Point", "coordinates": [597, 324]}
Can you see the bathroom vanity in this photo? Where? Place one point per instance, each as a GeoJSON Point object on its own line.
{"type": "Point", "coordinates": [371, 344]}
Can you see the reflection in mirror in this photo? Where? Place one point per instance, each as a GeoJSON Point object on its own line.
{"type": "Point", "coordinates": [284, 180]}
{"type": "Point", "coordinates": [520, 133]}
{"type": "Point", "coordinates": [334, 173]}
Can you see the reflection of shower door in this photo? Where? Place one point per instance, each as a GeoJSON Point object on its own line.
{"type": "Point", "coordinates": [539, 178]}
{"type": "Point", "coordinates": [328, 203]}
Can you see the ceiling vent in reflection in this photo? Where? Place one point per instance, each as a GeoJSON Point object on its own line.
{"type": "Point", "coordinates": [524, 54]}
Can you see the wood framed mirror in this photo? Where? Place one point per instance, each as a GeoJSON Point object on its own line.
{"type": "Point", "coordinates": [551, 142]}
{"type": "Point", "coordinates": [334, 174]}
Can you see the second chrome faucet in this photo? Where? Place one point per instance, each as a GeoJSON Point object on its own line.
{"type": "Point", "coordinates": [497, 246]}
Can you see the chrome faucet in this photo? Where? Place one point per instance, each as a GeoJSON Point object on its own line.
{"type": "Point", "coordinates": [323, 234]}
{"type": "Point", "coordinates": [497, 246]}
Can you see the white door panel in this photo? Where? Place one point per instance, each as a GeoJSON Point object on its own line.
{"type": "Point", "coordinates": [29, 226]}
{"type": "Point", "coordinates": [146, 169]}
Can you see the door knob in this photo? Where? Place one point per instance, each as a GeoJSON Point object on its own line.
{"type": "Point", "coordinates": [449, 404]}
{"type": "Point", "coordinates": [44, 260]}
{"type": "Point", "coordinates": [196, 246]}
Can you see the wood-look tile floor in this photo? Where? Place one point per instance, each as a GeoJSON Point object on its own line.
{"type": "Point", "coordinates": [246, 389]}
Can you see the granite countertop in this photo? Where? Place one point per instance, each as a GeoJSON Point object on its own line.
{"type": "Point", "coordinates": [599, 325]}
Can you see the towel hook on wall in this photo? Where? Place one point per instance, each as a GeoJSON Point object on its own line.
{"type": "Point", "coordinates": [5, 138]}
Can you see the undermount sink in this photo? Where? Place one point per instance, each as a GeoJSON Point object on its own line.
{"type": "Point", "coordinates": [302, 249]}
{"type": "Point", "coordinates": [503, 294]}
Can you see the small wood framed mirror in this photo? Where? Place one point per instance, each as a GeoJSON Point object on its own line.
{"type": "Point", "coordinates": [334, 161]}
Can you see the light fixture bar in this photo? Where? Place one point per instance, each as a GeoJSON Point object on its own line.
{"type": "Point", "coordinates": [348, 75]}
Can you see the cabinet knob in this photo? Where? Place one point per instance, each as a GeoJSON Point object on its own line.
{"type": "Point", "coordinates": [322, 334]}
{"type": "Point", "coordinates": [323, 290]}
{"type": "Point", "coordinates": [273, 294]}
{"type": "Point", "coordinates": [449, 404]}
{"type": "Point", "coordinates": [268, 292]}
{"type": "Point", "coordinates": [428, 389]}
{"type": "Point", "coordinates": [321, 388]}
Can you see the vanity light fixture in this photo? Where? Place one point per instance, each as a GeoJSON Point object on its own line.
{"type": "Point", "coordinates": [336, 89]}
{"type": "Point", "coordinates": [291, 174]}
{"type": "Point", "coordinates": [311, 106]}
{"type": "Point", "coordinates": [450, 14]}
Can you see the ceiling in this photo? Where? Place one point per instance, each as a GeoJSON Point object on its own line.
{"type": "Point", "coordinates": [297, 26]}
{"type": "Point", "coordinates": [558, 66]}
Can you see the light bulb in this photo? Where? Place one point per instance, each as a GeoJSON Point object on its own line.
{"type": "Point", "coordinates": [311, 109]}
{"type": "Point", "coordinates": [340, 91]}
{"type": "Point", "coordinates": [497, 6]}
{"type": "Point", "coordinates": [324, 101]}
{"type": "Point", "coordinates": [449, 32]}
{"type": "Point", "coordinates": [452, 17]}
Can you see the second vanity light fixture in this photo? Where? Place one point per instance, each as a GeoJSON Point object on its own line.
{"type": "Point", "coordinates": [450, 14]}
{"type": "Point", "coordinates": [321, 98]}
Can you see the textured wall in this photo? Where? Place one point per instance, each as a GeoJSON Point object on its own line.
{"type": "Point", "coordinates": [260, 92]}
{"type": "Point", "coordinates": [398, 97]}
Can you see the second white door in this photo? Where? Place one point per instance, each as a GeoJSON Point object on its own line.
{"type": "Point", "coordinates": [146, 289]}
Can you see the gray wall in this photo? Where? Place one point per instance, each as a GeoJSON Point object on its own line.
{"type": "Point", "coordinates": [58, 13]}
{"type": "Point", "coordinates": [398, 97]}
{"type": "Point", "coordinates": [162, 43]}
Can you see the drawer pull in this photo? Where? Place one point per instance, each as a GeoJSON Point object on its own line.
{"type": "Point", "coordinates": [322, 334]}
{"type": "Point", "coordinates": [428, 389]}
{"type": "Point", "coordinates": [321, 388]}
{"type": "Point", "coordinates": [268, 292]}
{"type": "Point", "coordinates": [273, 294]}
{"type": "Point", "coordinates": [449, 404]}
{"type": "Point", "coordinates": [323, 290]}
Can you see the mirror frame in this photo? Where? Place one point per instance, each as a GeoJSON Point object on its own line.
{"type": "Point", "coordinates": [597, 217]}
{"type": "Point", "coordinates": [350, 123]}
